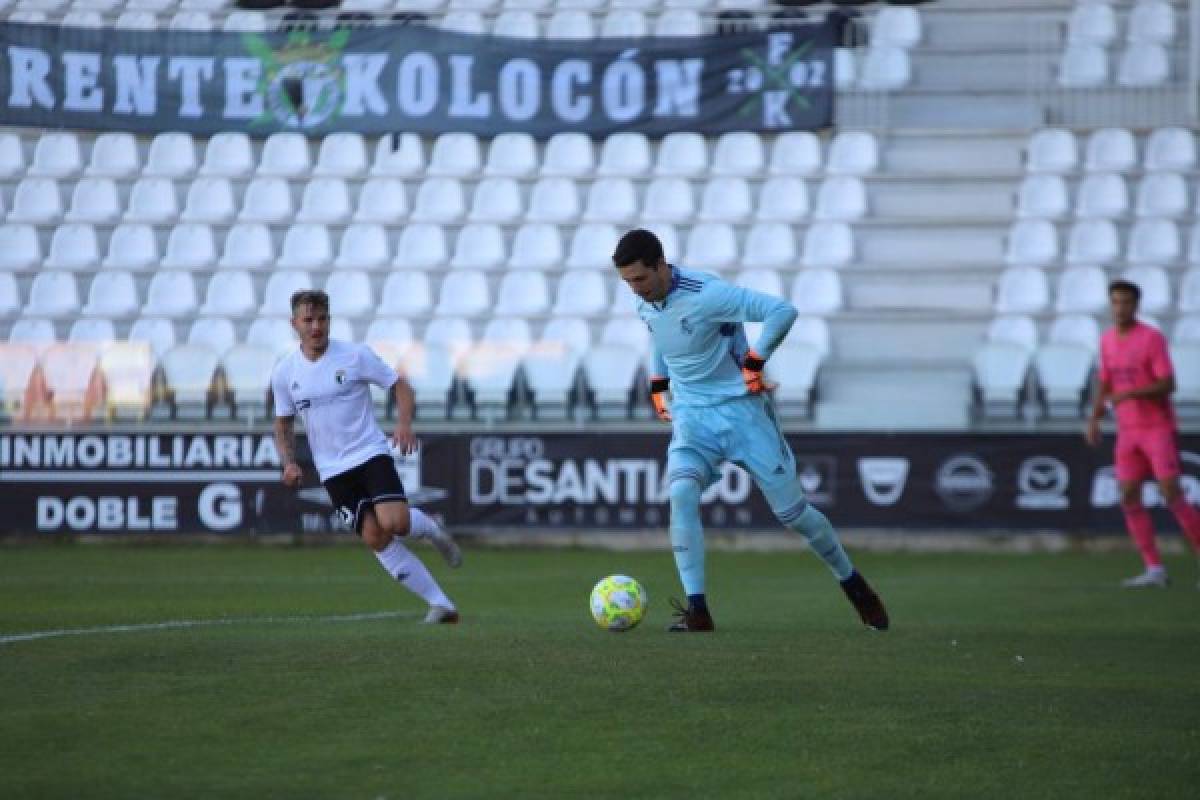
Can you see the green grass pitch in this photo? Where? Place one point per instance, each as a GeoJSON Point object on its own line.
{"type": "Point", "coordinates": [1004, 676]}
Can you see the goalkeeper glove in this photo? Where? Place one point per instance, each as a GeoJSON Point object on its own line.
{"type": "Point", "coordinates": [658, 396]}
{"type": "Point", "coordinates": [752, 367]}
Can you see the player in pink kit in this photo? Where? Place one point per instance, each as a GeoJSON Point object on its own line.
{"type": "Point", "coordinates": [1136, 379]}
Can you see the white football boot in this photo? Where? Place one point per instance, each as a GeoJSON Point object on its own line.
{"type": "Point", "coordinates": [440, 615]}
{"type": "Point", "coordinates": [1150, 579]}
{"type": "Point", "coordinates": [444, 543]}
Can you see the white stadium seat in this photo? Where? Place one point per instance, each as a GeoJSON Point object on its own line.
{"type": "Point", "coordinates": [853, 153]}
{"type": "Point", "coordinates": [209, 200]}
{"type": "Point", "coordinates": [152, 200]}
{"type": "Point", "coordinates": [350, 294]}
{"type": "Point", "coordinates": [248, 245]}
{"type": "Point", "coordinates": [157, 332]}
{"type": "Point", "coordinates": [1022, 290]}
{"type": "Point", "coordinates": [683, 154]}
{"type": "Point", "coordinates": [53, 294]}
{"type": "Point", "coordinates": [228, 154]}
{"type": "Point", "coordinates": [464, 293]}
{"type": "Point", "coordinates": [112, 295]}
{"type": "Point", "coordinates": [325, 201]}
{"type": "Point", "coordinates": [451, 335]}
{"type": "Point", "coordinates": [624, 155]}
{"type": "Point", "coordinates": [383, 200]}
{"type": "Point", "coordinates": [1143, 65]}
{"type": "Point", "coordinates": [36, 200]}
{"type": "Point", "coordinates": [479, 246]}
{"type": "Point", "coordinates": [215, 333]}
{"type": "Point", "coordinates": [770, 245]}
{"type": "Point", "coordinates": [841, 199]}
{"type": "Point", "coordinates": [554, 200]}
{"type": "Point", "coordinates": [765, 281]}
{"type": "Point", "coordinates": [668, 200]}
{"type": "Point", "coordinates": [572, 333]}
{"type": "Point", "coordinates": [398, 156]}
{"type": "Point", "coordinates": [795, 153]}
{"type": "Point", "coordinates": [739, 154]}
{"type": "Point", "coordinates": [711, 246]}
{"type": "Point", "coordinates": [267, 199]}
{"type": "Point", "coordinates": [285, 155]}
{"type": "Point", "coordinates": [132, 246]}
{"type": "Point", "coordinates": [885, 69]}
{"type": "Point", "coordinates": [277, 296]}
{"type": "Point", "coordinates": [439, 200]}
{"type": "Point", "coordinates": [1016, 329]}
{"type": "Point", "coordinates": [1156, 288]}
{"type": "Point", "coordinates": [496, 199]}
{"type": "Point", "coordinates": [171, 155]}
{"type": "Point", "coordinates": [899, 27]}
{"type": "Point", "coordinates": [422, 246]}
{"type": "Point", "coordinates": [1110, 150]}
{"type": "Point", "coordinates": [306, 247]}
{"type": "Point", "coordinates": [679, 22]}
{"type": "Point", "coordinates": [1162, 194]}
{"type": "Point", "coordinates": [363, 246]}
{"type": "Point", "coordinates": [1052, 150]}
{"type": "Point", "coordinates": [171, 294]}
{"type": "Point", "coordinates": [610, 371]}
{"type": "Point", "coordinates": [570, 24]}
{"type": "Point", "coordinates": [38, 333]}
{"type": "Point", "coordinates": [10, 297]}
{"type": "Point", "coordinates": [274, 333]}
{"type": "Point", "coordinates": [1083, 66]}
{"type": "Point", "coordinates": [782, 198]}
{"type": "Point", "coordinates": [189, 370]}
{"type": "Point", "coordinates": [817, 291]}
{"type": "Point", "coordinates": [1170, 150]}
{"type": "Point", "coordinates": [512, 155]}
{"type": "Point", "coordinates": [341, 155]}
{"type": "Point", "coordinates": [12, 155]}
{"type": "Point", "coordinates": [517, 24]}
{"type": "Point", "coordinates": [20, 249]}
{"type": "Point", "coordinates": [1093, 241]}
{"type": "Point", "coordinates": [1031, 243]}
{"type": "Point", "coordinates": [190, 246]}
{"type": "Point", "coordinates": [1102, 196]}
{"type": "Point", "coordinates": [1042, 196]}
{"type": "Point", "coordinates": [455, 155]}
{"type": "Point", "coordinates": [114, 155]}
{"type": "Point", "coordinates": [230, 293]}
{"type": "Point", "coordinates": [726, 199]}
{"type": "Point", "coordinates": [611, 200]}
{"type": "Point", "coordinates": [73, 246]}
{"type": "Point", "coordinates": [828, 244]}
{"type": "Point", "coordinates": [522, 293]}
{"type": "Point", "coordinates": [1081, 290]}
{"type": "Point", "coordinates": [406, 293]}
{"type": "Point", "coordinates": [1152, 21]}
{"type": "Point", "coordinates": [1001, 370]}
{"type": "Point", "coordinates": [569, 155]}
{"type": "Point", "coordinates": [1154, 241]}
{"type": "Point", "coordinates": [247, 368]}
{"type": "Point", "coordinates": [94, 200]}
{"type": "Point", "coordinates": [581, 293]}
{"type": "Point", "coordinates": [536, 245]}
{"type": "Point", "coordinates": [56, 155]}
{"type": "Point", "coordinates": [592, 246]}
{"type": "Point", "coordinates": [1092, 23]}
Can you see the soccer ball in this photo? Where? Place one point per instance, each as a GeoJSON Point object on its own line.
{"type": "Point", "coordinates": [619, 603]}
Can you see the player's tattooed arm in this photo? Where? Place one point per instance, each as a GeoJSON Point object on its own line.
{"type": "Point", "coordinates": [285, 443]}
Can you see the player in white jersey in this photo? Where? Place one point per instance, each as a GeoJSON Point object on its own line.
{"type": "Point", "coordinates": [326, 382]}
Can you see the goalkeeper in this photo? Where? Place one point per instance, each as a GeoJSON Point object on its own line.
{"type": "Point", "coordinates": [719, 411]}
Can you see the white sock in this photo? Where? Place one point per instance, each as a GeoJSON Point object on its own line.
{"type": "Point", "coordinates": [421, 525]}
{"type": "Point", "coordinates": [402, 565]}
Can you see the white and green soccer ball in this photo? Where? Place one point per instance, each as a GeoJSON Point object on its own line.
{"type": "Point", "coordinates": [619, 603]}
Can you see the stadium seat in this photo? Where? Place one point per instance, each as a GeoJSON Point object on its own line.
{"type": "Point", "coordinates": [627, 332]}
{"type": "Point", "coordinates": [341, 155]}
{"type": "Point", "coordinates": [1189, 292]}
{"type": "Point", "coordinates": [1081, 330]}
{"type": "Point", "coordinates": [455, 155]}
{"type": "Point", "coordinates": [611, 200]}
{"type": "Point", "coordinates": [516, 23]}
{"type": "Point", "coordinates": [570, 24]}
{"type": "Point", "coordinates": [274, 333]}
{"type": "Point", "coordinates": [1143, 65]}
{"type": "Point", "coordinates": [170, 294]}
{"type": "Point", "coordinates": [247, 369]}
{"type": "Point", "coordinates": [1081, 290]}
{"type": "Point", "coordinates": [1093, 241]}
{"type": "Point", "coordinates": [853, 153]}
{"type": "Point", "coordinates": [112, 294]}
{"type": "Point", "coordinates": [398, 156]}
{"type": "Point", "coordinates": [53, 294]}
{"type": "Point", "coordinates": [464, 293]}
{"type": "Point", "coordinates": [782, 198]}
{"type": "Point", "coordinates": [610, 372]}
{"type": "Point", "coordinates": [215, 333]}
{"type": "Point", "coordinates": [511, 155]}
{"type": "Point", "coordinates": [571, 333]}
{"type": "Point", "coordinates": [194, 21]}
{"type": "Point", "coordinates": [74, 247]}
{"type": "Point", "coordinates": [1153, 241]}
{"type": "Point", "coordinates": [568, 155]}
{"type": "Point", "coordinates": [390, 337]}
{"type": "Point", "coordinates": [229, 155]}
{"type": "Point", "coordinates": [350, 294]}
{"type": "Point", "coordinates": [277, 296]}
{"type": "Point", "coordinates": [496, 200]}
{"type": "Point", "coordinates": [679, 22]}
{"type": "Point", "coordinates": [20, 249]}
{"type": "Point", "coordinates": [521, 293]}
{"type": "Point", "coordinates": [1022, 290]}
{"type": "Point", "coordinates": [1170, 149]}
{"type": "Point", "coordinates": [624, 155]}
{"type": "Point", "coordinates": [770, 245]}
{"type": "Point", "coordinates": [1031, 243]}
{"type": "Point", "coordinates": [37, 333]}
{"type": "Point", "coordinates": [171, 155]}
{"type": "Point", "coordinates": [795, 153]}
{"type": "Point", "coordinates": [1063, 370]}
{"type": "Point", "coordinates": [92, 330]}
{"type": "Point", "coordinates": [807, 331]}
{"type": "Point", "coordinates": [841, 199]}
{"type": "Point", "coordinates": [188, 370]}
{"type": "Point", "coordinates": [479, 246]}
{"type": "Point", "coordinates": [190, 246]}
{"type": "Point", "coordinates": [726, 200]}
{"type": "Point", "coordinates": [1110, 150]}
{"type": "Point", "coordinates": [114, 155]}
{"type": "Point", "coordinates": [132, 246]}
{"type": "Point", "coordinates": [10, 297]}
{"type": "Point", "coordinates": [12, 156]}
{"type": "Point", "coordinates": [363, 246]}
{"type": "Point", "coordinates": [1015, 329]}
{"type": "Point", "coordinates": [1103, 196]}
{"type": "Point", "coordinates": [285, 155]}
{"type": "Point", "coordinates": [817, 291]}
{"type": "Point", "coordinates": [1187, 329]}
{"type": "Point", "coordinates": [56, 155]}
{"type": "Point", "coordinates": [37, 201]}
{"type": "Point", "coordinates": [94, 200]}
{"type": "Point", "coordinates": [668, 200]}
{"type": "Point", "coordinates": [439, 200]}
{"type": "Point", "coordinates": [828, 244]}
{"type": "Point", "coordinates": [592, 246]}
{"type": "Point", "coordinates": [551, 373]}
{"type": "Point", "coordinates": [1042, 197]}
{"type": "Point", "coordinates": [683, 154]}
{"type": "Point", "coordinates": [506, 334]}
{"type": "Point", "coordinates": [1156, 288]}
{"type": "Point", "coordinates": [580, 294]}
{"type": "Point", "coordinates": [1052, 150]}
{"type": "Point", "coordinates": [554, 200]}
{"type": "Point", "coordinates": [382, 200]}
{"type": "Point", "coordinates": [306, 247]}
{"type": "Point", "coordinates": [1001, 370]}
{"type": "Point", "coordinates": [422, 246]}
{"type": "Point", "coordinates": [536, 245]}
{"type": "Point", "coordinates": [738, 154]}
{"type": "Point", "coordinates": [230, 293]}
{"type": "Point", "coordinates": [1092, 23]}
{"type": "Point", "coordinates": [765, 281]}
{"type": "Point", "coordinates": [152, 200]}
{"type": "Point", "coordinates": [429, 369]}
{"type": "Point", "coordinates": [248, 245]}
{"type": "Point", "coordinates": [325, 201]}
{"type": "Point", "coordinates": [268, 200]}
{"type": "Point", "coordinates": [1083, 66]}
{"type": "Point", "coordinates": [885, 69]}
{"type": "Point", "coordinates": [711, 246]}
{"type": "Point", "coordinates": [1162, 194]}
{"type": "Point", "coordinates": [896, 26]}
{"type": "Point", "coordinates": [209, 200]}
{"type": "Point", "coordinates": [1151, 21]}
{"type": "Point", "coordinates": [451, 335]}
{"type": "Point", "coordinates": [157, 333]}
{"type": "Point", "coordinates": [794, 368]}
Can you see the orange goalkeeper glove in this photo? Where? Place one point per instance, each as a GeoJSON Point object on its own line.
{"type": "Point", "coordinates": [752, 367]}
{"type": "Point", "coordinates": [658, 396]}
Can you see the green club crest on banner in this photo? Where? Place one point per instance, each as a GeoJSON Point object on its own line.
{"type": "Point", "coordinates": [302, 84]}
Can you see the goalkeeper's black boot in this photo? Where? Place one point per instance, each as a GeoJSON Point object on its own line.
{"type": "Point", "coordinates": [689, 619]}
{"type": "Point", "coordinates": [866, 602]}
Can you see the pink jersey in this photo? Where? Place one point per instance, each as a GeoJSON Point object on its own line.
{"type": "Point", "coordinates": [1132, 361]}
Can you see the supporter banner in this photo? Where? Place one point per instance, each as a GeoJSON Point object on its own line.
{"type": "Point", "coordinates": [413, 78]}
{"type": "Point", "coordinates": [227, 482]}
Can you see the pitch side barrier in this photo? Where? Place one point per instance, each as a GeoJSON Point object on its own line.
{"type": "Point", "coordinates": [213, 481]}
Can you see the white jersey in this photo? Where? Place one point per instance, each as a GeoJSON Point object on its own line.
{"type": "Point", "coordinates": [332, 397]}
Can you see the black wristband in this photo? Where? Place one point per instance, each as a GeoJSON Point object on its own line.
{"type": "Point", "coordinates": [753, 363]}
{"type": "Point", "coordinates": [659, 385]}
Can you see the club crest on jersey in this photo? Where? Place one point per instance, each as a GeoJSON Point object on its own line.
{"type": "Point", "coordinates": [340, 376]}
{"type": "Point", "coordinates": [685, 325]}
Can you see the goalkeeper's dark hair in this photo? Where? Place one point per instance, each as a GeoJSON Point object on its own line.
{"type": "Point", "coordinates": [310, 297]}
{"type": "Point", "coordinates": [1126, 286]}
{"type": "Point", "coordinates": [638, 244]}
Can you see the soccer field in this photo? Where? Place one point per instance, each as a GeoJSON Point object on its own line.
{"type": "Point", "coordinates": [302, 673]}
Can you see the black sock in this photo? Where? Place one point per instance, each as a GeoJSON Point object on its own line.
{"type": "Point", "coordinates": [696, 602]}
{"type": "Point", "coordinates": [853, 580]}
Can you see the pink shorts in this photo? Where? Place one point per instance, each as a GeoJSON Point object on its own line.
{"type": "Point", "coordinates": [1142, 452]}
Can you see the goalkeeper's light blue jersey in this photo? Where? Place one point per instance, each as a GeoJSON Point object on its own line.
{"type": "Point", "coordinates": [698, 338]}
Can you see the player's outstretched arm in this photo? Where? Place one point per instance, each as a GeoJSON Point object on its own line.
{"type": "Point", "coordinates": [405, 439]}
{"type": "Point", "coordinates": [285, 443]}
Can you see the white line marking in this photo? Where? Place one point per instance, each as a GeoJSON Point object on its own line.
{"type": "Point", "coordinates": [138, 476]}
{"type": "Point", "coordinates": [11, 638]}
